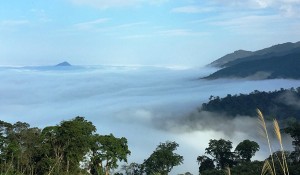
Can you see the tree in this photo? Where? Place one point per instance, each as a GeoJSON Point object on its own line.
{"type": "Point", "coordinates": [294, 130]}
{"type": "Point", "coordinates": [76, 135]}
{"type": "Point", "coordinates": [220, 150]}
{"type": "Point", "coordinates": [133, 169]}
{"type": "Point", "coordinates": [65, 145]}
{"type": "Point", "coordinates": [163, 159]}
{"type": "Point", "coordinates": [106, 151]}
{"type": "Point", "coordinates": [205, 163]}
{"type": "Point", "coordinates": [246, 150]}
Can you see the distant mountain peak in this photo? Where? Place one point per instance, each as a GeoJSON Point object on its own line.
{"type": "Point", "coordinates": [65, 63]}
{"type": "Point", "coordinates": [243, 55]}
{"type": "Point", "coordinates": [230, 57]}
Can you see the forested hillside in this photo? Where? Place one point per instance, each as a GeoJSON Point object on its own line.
{"type": "Point", "coordinates": [286, 66]}
{"type": "Point", "coordinates": [244, 56]}
{"type": "Point", "coordinates": [282, 104]}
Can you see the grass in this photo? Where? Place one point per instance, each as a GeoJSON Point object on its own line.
{"type": "Point", "coordinates": [270, 167]}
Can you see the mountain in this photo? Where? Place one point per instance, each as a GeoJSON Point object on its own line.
{"type": "Point", "coordinates": [243, 56]}
{"type": "Point", "coordinates": [230, 57]}
{"type": "Point", "coordinates": [65, 63]}
{"type": "Point", "coordinates": [278, 61]}
{"type": "Point", "coordinates": [286, 66]}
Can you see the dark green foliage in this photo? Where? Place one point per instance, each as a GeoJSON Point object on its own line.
{"type": "Point", "coordinates": [205, 163]}
{"type": "Point", "coordinates": [280, 103]}
{"type": "Point", "coordinates": [133, 169]}
{"type": "Point", "coordinates": [248, 168]}
{"type": "Point", "coordinates": [220, 150]}
{"type": "Point", "coordinates": [246, 150]}
{"type": "Point", "coordinates": [76, 135]}
{"type": "Point", "coordinates": [106, 151]}
{"type": "Point", "coordinates": [294, 130]}
{"type": "Point", "coordinates": [163, 159]}
{"type": "Point", "coordinates": [286, 66]}
{"type": "Point", "coordinates": [240, 56]}
{"type": "Point", "coordinates": [65, 145]}
{"type": "Point", "coordinates": [53, 150]}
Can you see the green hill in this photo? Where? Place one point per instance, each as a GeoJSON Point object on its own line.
{"type": "Point", "coordinates": [282, 104]}
{"type": "Point", "coordinates": [286, 66]}
{"type": "Point", "coordinates": [242, 55]}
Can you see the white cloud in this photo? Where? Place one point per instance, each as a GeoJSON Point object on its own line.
{"type": "Point", "coordinates": [104, 4]}
{"type": "Point", "coordinates": [41, 15]}
{"type": "Point", "coordinates": [12, 23]}
{"type": "Point", "coordinates": [179, 32]}
{"type": "Point", "coordinates": [91, 24]}
{"type": "Point", "coordinates": [136, 36]}
{"type": "Point", "coordinates": [251, 24]}
{"type": "Point", "coordinates": [191, 9]}
{"type": "Point", "coordinates": [287, 8]}
{"type": "Point", "coordinates": [128, 25]}
{"type": "Point", "coordinates": [290, 10]}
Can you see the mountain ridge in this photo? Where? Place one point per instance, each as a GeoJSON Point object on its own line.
{"type": "Point", "coordinates": [243, 55]}
{"type": "Point", "coordinates": [278, 61]}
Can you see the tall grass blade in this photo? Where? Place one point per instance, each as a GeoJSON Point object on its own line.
{"type": "Point", "coordinates": [228, 172]}
{"type": "Point", "coordinates": [267, 168]}
{"type": "Point", "coordinates": [279, 138]}
{"type": "Point", "coordinates": [262, 122]}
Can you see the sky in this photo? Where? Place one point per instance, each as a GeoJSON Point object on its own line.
{"type": "Point", "coordinates": [141, 32]}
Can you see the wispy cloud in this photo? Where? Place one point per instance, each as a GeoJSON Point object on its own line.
{"type": "Point", "coordinates": [12, 23]}
{"type": "Point", "coordinates": [41, 15]}
{"type": "Point", "coordinates": [287, 8]}
{"type": "Point", "coordinates": [129, 25]}
{"type": "Point", "coordinates": [139, 36]}
{"type": "Point", "coordinates": [104, 4]}
{"type": "Point", "coordinates": [179, 32]}
{"type": "Point", "coordinates": [91, 24]}
{"type": "Point", "coordinates": [252, 24]}
{"type": "Point", "coordinates": [246, 21]}
{"type": "Point", "coordinates": [191, 9]}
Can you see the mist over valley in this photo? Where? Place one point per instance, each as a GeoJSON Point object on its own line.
{"type": "Point", "coordinates": [145, 104]}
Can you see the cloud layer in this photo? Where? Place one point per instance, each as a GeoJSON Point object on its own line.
{"type": "Point", "coordinates": [147, 105]}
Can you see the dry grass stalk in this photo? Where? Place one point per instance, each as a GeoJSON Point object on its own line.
{"type": "Point", "coordinates": [283, 163]}
{"type": "Point", "coordinates": [228, 170]}
{"type": "Point", "coordinates": [267, 168]}
{"type": "Point", "coordinates": [262, 122]}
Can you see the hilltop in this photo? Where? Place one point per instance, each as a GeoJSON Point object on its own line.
{"type": "Point", "coordinates": [279, 61]}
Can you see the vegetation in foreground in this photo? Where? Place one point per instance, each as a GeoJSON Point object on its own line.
{"type": "Point", "coordinates": [74, 147]}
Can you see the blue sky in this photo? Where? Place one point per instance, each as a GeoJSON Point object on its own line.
{"type": "Point", "coordinates": [148, 32]}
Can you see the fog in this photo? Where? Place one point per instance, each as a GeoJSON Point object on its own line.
{"type": "Point", "coordinates": [145, 104]}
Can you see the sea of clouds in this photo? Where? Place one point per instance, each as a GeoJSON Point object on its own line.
{"type": "Point", "coordinates": [145, 104]}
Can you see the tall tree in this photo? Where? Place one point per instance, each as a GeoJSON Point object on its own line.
{"type": "Point", "coordinates": [220, 150]}
{"type": "Point", "coordinates": [66, 144]}
{"type": "Point", "coordinates": [246, 150]}
{"type": "Point", "coordinates": [76, 134]}
{"type": "Point", "coordinates": [205, 163]}
{"type": "Point", "coordinates": [106, 151]}
{"type": "Point", "coordinates": [294, 130]}
{"type": "Point", "coordinates": [133, 169]}
{"type": "Point", "coordinates": [163, 159]}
